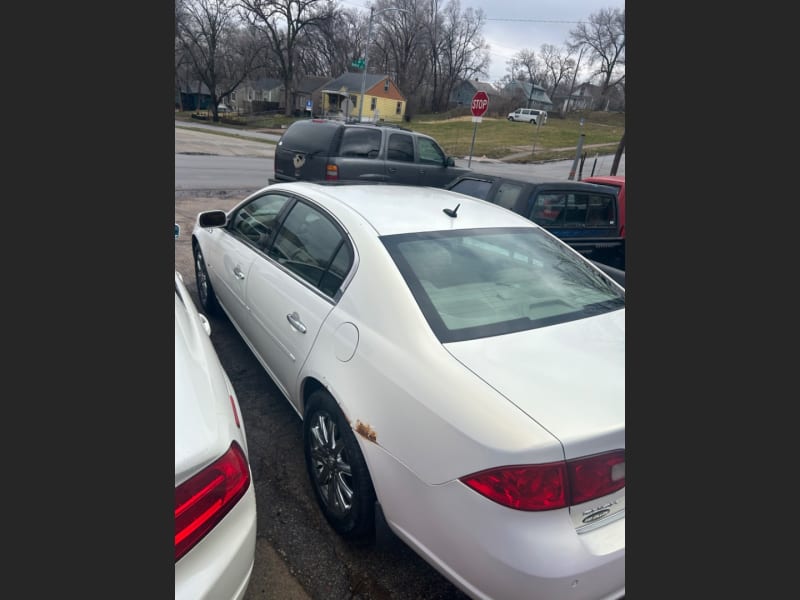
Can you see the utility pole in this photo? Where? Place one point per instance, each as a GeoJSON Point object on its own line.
{"type": "Point", "coordinates": [366, 64]}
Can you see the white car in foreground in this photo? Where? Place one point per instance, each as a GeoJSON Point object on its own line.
{"type": "Point", "coordinates": [459, 370]}
{"type": "Point", "coordinates": [215, 504]}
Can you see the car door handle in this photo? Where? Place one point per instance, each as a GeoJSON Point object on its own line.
{"type": "Point", "coordinates": [294, 321]}
{"type": "Point", "coordinates": [392, 169]}
{"type": "Point", "coordinates": [238, 272]}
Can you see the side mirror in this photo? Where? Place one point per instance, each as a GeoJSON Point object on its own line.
{"type": "Point", "coordinates": [211, 218]}
{"type": "Point", "coordinates": [177, 230]}
{"type": "Point", "coordinates": [449, 162]}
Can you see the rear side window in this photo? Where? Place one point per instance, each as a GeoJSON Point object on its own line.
{"type": "Point", "coordinates": [576, 210]}
{"type": "Point", "coordinates": [360, 142]}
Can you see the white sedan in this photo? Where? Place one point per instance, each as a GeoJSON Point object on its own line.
{"type": "Point", "coordinates": [215, 503]}
{"type": "Point", "coordinates": [460, 374]}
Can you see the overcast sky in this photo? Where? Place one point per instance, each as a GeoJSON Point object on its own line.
{"type": "Point", "coordinates": [512, 25]}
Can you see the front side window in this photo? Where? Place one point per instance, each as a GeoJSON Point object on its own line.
{"type": "Point", "coordinates": [478, 283]}
{"type": "Point", "coordinates": [256, 221]}
{"type": "Point", "coordinates": [430, 152]}
{"type": "Point", "coordinates": [309, 245]}
{"type": "Point", "coordinates": [507, 195]}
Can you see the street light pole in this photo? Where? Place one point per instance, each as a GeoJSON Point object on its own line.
{"type": "Point", "coordinates": [366, 64]}
{"type": "Point", "coordinates": [366, 55]}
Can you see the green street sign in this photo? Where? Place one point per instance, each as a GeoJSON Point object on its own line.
{"type": "Point", "coordinates": [358, 63]}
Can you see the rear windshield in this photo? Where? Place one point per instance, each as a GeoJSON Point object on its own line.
{"type": "Point", "coordinates": [473, 187]}
{"type": "Point", "coordinates": [484, 282]}
{"type": "Point", "coordinates": [311, 136]}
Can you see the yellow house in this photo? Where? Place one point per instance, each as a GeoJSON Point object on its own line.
{"type": "Point", "coordinates": [339, 98]}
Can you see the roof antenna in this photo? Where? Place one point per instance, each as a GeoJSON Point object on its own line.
{"type": "Point", "coordinates": [451, 212]}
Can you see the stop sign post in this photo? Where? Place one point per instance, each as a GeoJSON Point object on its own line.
{"type": "Point", "coordinates": [479, 106]}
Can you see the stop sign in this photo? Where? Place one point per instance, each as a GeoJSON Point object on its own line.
{"type": "Point", "coordinates": [480, 102]}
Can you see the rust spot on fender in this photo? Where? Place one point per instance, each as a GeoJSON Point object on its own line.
{"type": "Point", "coordinates": [366, 431]}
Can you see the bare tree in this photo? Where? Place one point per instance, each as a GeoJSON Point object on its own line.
{"type": "Point", "coordinates": [558, 66]}
{"type": "Point", "coordinates": [329, 48]}
{"type": "Point", "coordinates": [283, 22]}
{"type": "Point", "coordinates": [524, 66]}
{"type": "Point", "coordinates": [219, 51]}
{"type": "Point", "coordinates": [604, 38]}
{"type": "Point", "coordinates": [463, 52]}
{"type": "Point", "coordinates": [400, 42]}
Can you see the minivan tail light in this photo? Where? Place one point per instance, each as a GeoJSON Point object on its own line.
{"type": "Point", "coordinates": [203, 501]}
{"type": "Point", "coordinates": [552, 485]}
{"type": "Point", "coordinates": [331, 172]}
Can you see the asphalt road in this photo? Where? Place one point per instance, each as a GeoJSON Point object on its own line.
{"type": "Point", "coordinates": [242, 160]}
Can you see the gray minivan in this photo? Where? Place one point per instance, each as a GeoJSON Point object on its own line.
{"type": "Point", "coordinates": [328, 150]}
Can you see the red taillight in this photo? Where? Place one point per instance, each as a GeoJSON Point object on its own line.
{"type": "Point", "coordinates": [591, 477]}
{"type": "Point", "coordinates": [202, 501]}
{"type": "Point", "coordinates": [552, 485]}
{"type": "Point", "coordinates": [331, 172]}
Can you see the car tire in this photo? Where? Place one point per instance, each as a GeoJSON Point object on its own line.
{"type": "Point", "coordinates": [208, 299]}
{"type": "Point", "coordinates": [337, 469]}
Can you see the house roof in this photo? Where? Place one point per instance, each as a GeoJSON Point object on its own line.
{"type": "Point", "coordinates": [266, 83]}
{"type": "Point", "coordinates": [307, 85]}
{"type": "Point", "coordinates": [352, 82]}
{"type": "Point", "coordinates": [484, 86]}
{"type": "Point", "coordinates": [537, 92]}
{"type": "Point", "coordinates": [191, 88]}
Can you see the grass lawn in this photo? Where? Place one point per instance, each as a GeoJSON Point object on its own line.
{"type": "Point", "coordinates": [495, 137]}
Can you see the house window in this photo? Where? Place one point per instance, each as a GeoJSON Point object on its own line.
{"type": "Point", "coordinates": [354, 101]}
{"type": "Point", "coordinates": [398, 108]}
{"type": "Point", "coordinates": [386, 86]}
{"type": "Point", "coordinates": [374, 103]}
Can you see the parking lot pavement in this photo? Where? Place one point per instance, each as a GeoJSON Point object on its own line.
{"type": "Point", "coordinates": [271, 578]}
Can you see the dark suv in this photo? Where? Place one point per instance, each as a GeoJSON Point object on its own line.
{"type": "Point", "coordinates": [327, 150]}
{"type": "Point", "coordinates": [587, 216]}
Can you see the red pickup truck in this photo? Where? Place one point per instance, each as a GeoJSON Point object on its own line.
{"type": "Point", "coordinates": [617, 182]}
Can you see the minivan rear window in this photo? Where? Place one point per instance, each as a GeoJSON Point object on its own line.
{"type": "Point", "coordinates": [312, 136]}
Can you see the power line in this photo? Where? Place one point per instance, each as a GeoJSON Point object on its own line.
{"type": "Point", "coordinates": [531, 20]}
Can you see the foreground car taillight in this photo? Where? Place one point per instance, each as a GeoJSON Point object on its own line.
{"type": "Point", "coordinates": [552, 485]}
{"type": "Point", "coordinates": [202, 501]}
{"type": "Point", "coordinates": [331, 172]}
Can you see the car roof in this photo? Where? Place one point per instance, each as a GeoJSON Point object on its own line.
{"type": "Point", "coordinates": [560, 184]}
{"type": "Point", "coordinates": [608, 179]}
{"type": "Point", "coordinates": [393, 209]}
